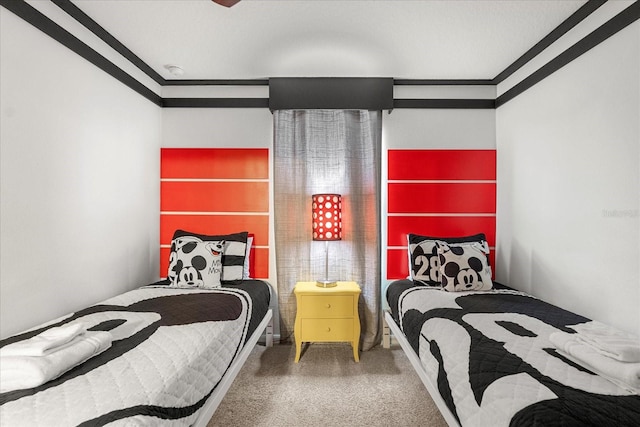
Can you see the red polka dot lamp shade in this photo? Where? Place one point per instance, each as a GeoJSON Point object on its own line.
{"type": "Point", "coordinates": [326, 216]}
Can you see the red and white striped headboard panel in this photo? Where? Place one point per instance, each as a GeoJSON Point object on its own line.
{"type": "Point", "coordinates": [438, 193]}
{"type": "Point", "coordinates": [216, 191]}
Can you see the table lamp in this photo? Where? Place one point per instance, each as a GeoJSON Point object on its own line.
{"type": "Point", "coordinates": [326, 222]}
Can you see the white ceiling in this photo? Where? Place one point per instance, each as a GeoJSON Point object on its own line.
{"type": "Point", "coordinates": [256, 39]}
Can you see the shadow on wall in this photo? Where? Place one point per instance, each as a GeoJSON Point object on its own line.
{"type": "Point", "coordinates": [519, 274]}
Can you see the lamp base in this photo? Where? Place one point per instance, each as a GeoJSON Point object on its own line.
{"type": "Point", "coordinates": [326, 283]}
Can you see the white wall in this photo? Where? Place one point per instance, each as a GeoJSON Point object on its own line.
{"type": "Point", "coordinates": [439, 129]}
{"type": "Point", "coordinates": [79, 181]}
{"type": "Point", "coordinates": [568, 185]}
{"type": "Point", "coordinates": [217, 127]}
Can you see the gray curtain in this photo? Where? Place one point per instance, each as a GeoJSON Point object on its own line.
{"type": "Point", "coordinates": [328, 151]}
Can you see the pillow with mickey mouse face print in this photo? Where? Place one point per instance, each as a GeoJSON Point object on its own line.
{"type": "Point", "coordinates": [195, 263]}
{"type": "Point", "coordinates": [465, 266]}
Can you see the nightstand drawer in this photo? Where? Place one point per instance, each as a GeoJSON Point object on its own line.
{"type": "Point", "coordinates": [326, 306]}
{"type": "Point", "coordinates": [327, 330]}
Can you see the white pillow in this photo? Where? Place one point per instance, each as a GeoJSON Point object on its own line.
{"type": "Point", "coordinates": [246, 274]}
{"type": "Point", "coordinates": [196, 263]}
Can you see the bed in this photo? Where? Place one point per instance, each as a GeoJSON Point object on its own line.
{"type": "Point", "coordinates": [173, 352]}
{"type": "Point", "coordinates": [495, 356]}
{"type": "Point", "coordinates": [486, 359]}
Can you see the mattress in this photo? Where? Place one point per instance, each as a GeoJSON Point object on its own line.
{"type": "Point", "coordinates": [491, 360]}
{"type": "Point", "coordinates": [171, 348]}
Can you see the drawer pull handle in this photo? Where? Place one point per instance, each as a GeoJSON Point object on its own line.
{"type": "Point", "coordinates": [328, 305]}
{"type": "Point", "coordinates": [328, 329]}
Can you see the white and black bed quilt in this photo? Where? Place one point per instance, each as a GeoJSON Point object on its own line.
{"type": "Point", "coordinates": [489, 354]}
{"type": "Point", "coordinates": [170, 349]}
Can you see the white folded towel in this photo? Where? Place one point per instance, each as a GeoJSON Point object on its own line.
{"type": "Point", "coordinates": [44, 342]}
{"type": "Point", "coordinates": [609, 341]}
{"type": "Point", "coordinates": [20, 372]}
{"type": "Point", "coordinates": [624, 374]}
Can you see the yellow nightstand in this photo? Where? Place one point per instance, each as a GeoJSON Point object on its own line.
{"type": "Point", "coordinates": [327, 315]}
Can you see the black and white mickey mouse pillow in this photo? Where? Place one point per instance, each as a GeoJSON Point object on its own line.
{"type": "Point", "coordinates": [424, 266]}
{"type": "Point", "coordinates": [464, 266]}
{"type": "Point", "coordinates": [194, 263]}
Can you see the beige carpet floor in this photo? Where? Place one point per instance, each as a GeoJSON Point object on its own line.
{"type": "Point", "coordinates": [327, 388]}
